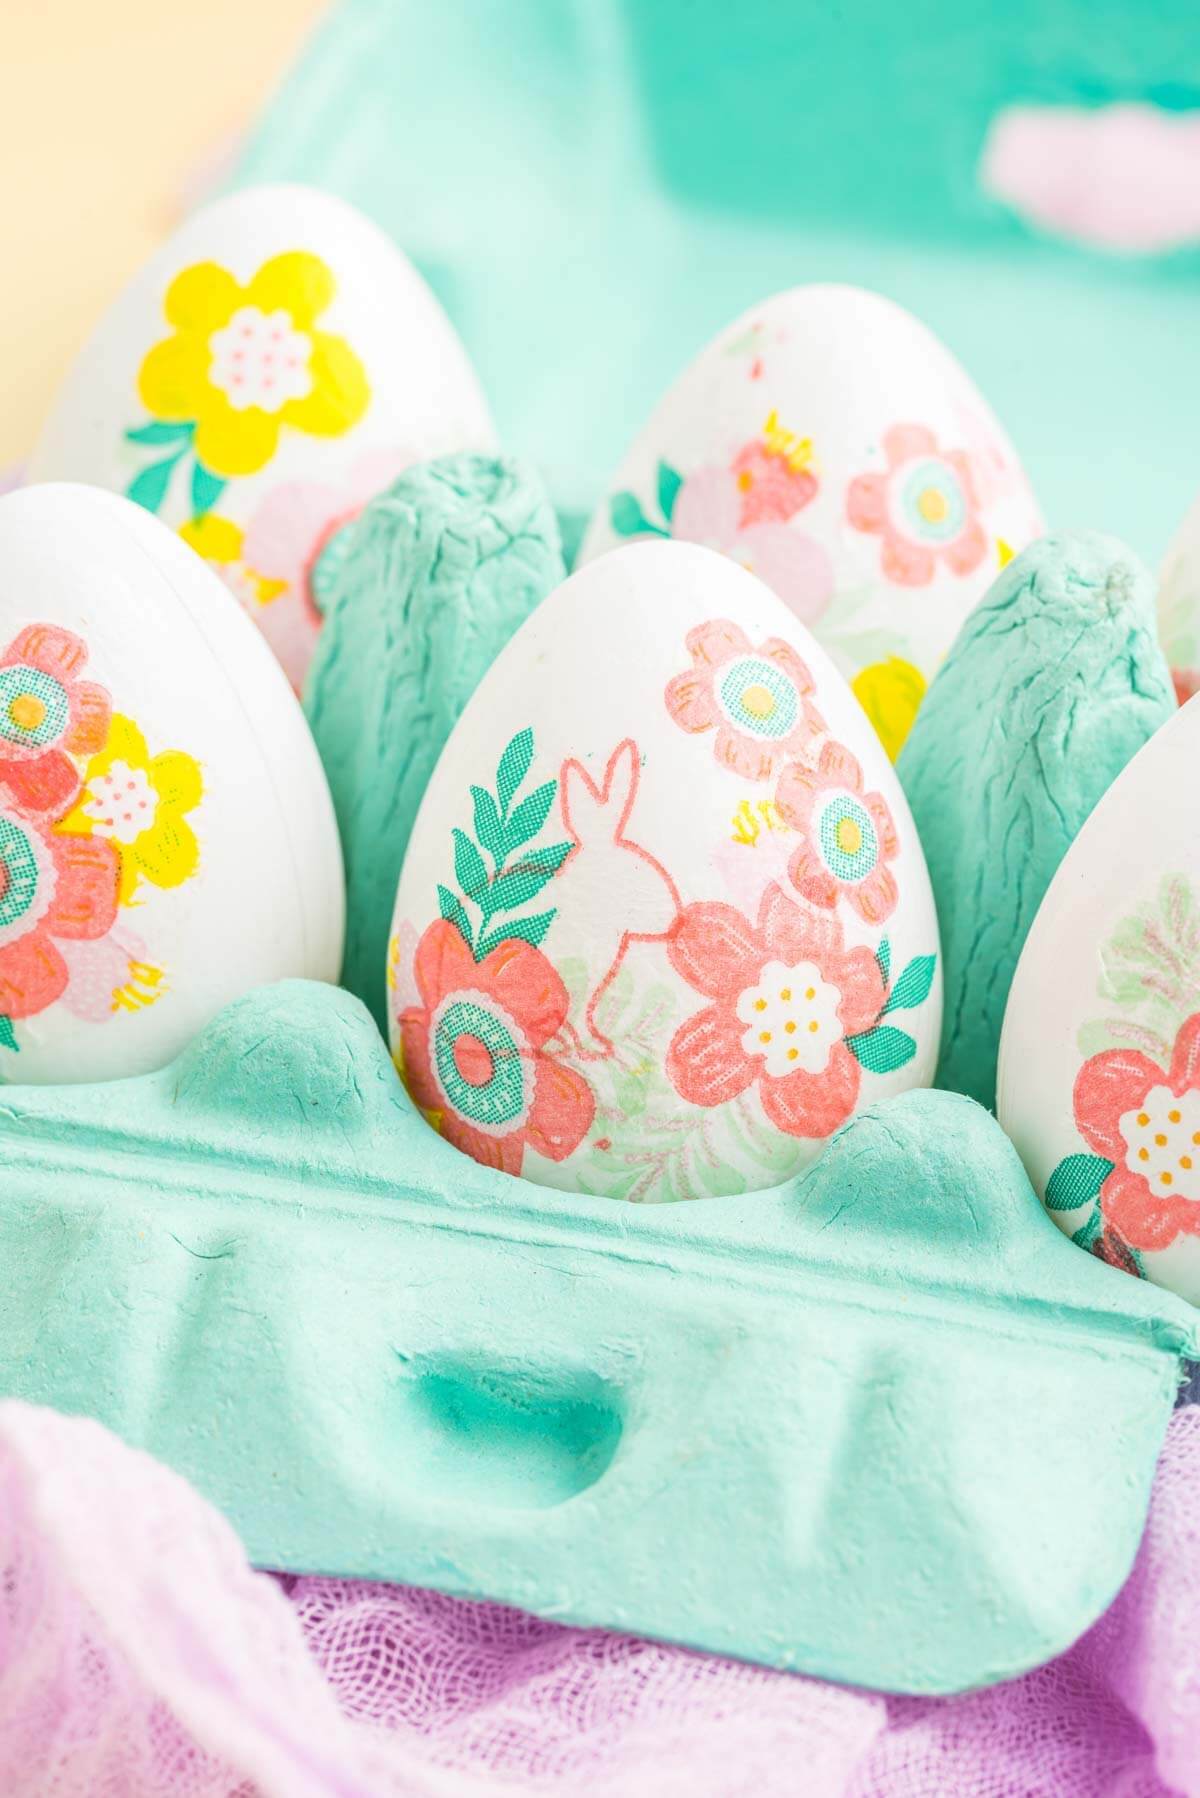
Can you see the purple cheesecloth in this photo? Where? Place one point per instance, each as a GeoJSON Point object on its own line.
{"type": "Point", "coordinates": [140, 1655]}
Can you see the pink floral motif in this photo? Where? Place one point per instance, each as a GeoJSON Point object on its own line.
{"type": "Point", "coordinates": [848, 837]}
{"type": "Point", "coordinates": [284, 542]}
{"type": "Point", "coordinates": [473, 1051]}
{"type": "Point", "coordinates": [47, 715]}
{"type": "Point", "coordinates": [53, 889]}
{"type": "Point", "coordinates": [745, 512]}
{"type": "Point", "coordinates": [924, 507]}
{"type": "Point", "coordinates": [786, 993]}
{"type": "Point", "coordinates": [1146, 1121]}
{"type": "Point", "coordinates": [757, 699]}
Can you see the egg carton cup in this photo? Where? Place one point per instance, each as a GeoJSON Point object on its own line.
{"type": "Point", "coordinates": [881, 1424]}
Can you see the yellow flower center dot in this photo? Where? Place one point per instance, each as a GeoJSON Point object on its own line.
{"type": "Point", "coordinates": [758, 700]}
{"type": "Point", "coordinates": [764, 1036]}
{"type": "Point", "coordinates": [1143, 1154]}
{"type": "Point", "coordinates": [786, 994]}
{"type": "Point", "coordinates": [1165, 1178]}
{"type": "Point", "coordinates": [1143, 1118]}
{"type": "Point", "coordinates": [790, 1026]}
{"type": "Point", "coordinates": [745, 480]}
{"type": "Point", "coordinates": [849, 836]}
{"type": "Point", "coordinates": [1161, 1140]}
{"type": "Point", "coordinates": [814, 1027]}
{"type": "Point", "coordinates": [810, 992]}
{"type": "Point", "coordinates": [1185, 1162]}
{"type": "Point", "coordinates": [1173, 1117]}
{"type": "Point", "coordinates": [932, 505]}
{"type": "Point", "coordinates": [27, 711]}
{"type": "Point", "coordinates": [792, 1054]}
{"type": "Point", "coordinates": [760, 1005]}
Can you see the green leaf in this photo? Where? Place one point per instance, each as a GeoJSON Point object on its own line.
{"type": "Point", "coordinates": [913, 986]}
{"type": "Point", "coordinates": [488, 827]}
{"type": "Point", "coordinates": [530, 930]}
{"type": "Point", "coordinates": [149, 488]}
{"type": "Point", "coordinates": [206, 490]}
{"type": "Point", "coordinates": [161, 432]}
{"type": "Point", "coordinates": [882, 1050]}
{"type": "Point", "coordinates": [628, 519]}
{"type": "Point", "coordinates": [1087, 1233]}
{"type": "Point", "coordinates": [451, 909]}
{"type": "Point", "coordinates": [530, 815]}
{"type": "Point", "coordinates": [548, 859]}
{"type": "Point", "coordinates": [883, 955]}
{"type": "Point", "coordinates": [516, 888]}
{"type": "Point", "coordinates": [470, 870]}
{"type": "Point", "coordinates": [8, 1036]}
{"type": "Point", "coordinates": [514, 766]}
{"type": "Point", "coordinates": [1076, 1181]}
{"type": "Point", "coordinates": [669, 483]}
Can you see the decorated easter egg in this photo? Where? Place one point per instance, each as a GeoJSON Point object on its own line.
{"type": "Point", "coordinates": [167, 838]}
{"type": "Point", "coordinates": [1179, 606]}
{"type": "Point", "coordinates": [1099, 1076]}
{"type": "Point", "coordinates": [275, 364]}
{"type": "Point", "coordinates": [829, 443]}
{"type": "Point", "coordinates": [664, 922]}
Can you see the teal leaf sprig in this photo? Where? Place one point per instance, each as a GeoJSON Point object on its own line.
{"type": "Point", "coordinates": [884, 1048]}
{"type": "Point", "coordinates": [149, 486]}
{"type": "Point", "coordinates": [8, 1036]}
{"type": "Point", "coordinates": [625, 509]}
{"type": "Point", "coordinates": [503, 828]}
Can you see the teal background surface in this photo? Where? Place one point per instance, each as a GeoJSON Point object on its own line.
{"type": "Point", "coordinates": [595, 187]}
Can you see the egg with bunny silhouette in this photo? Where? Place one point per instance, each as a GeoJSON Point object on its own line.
{"type": "Point", "coordinates": [664, 922]}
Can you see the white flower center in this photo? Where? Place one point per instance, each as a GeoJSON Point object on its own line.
{"type": "Point", "coordinates": [260, 359]}
{"type": "Point", "coordinates": [791, 1018]}
{"type": "Point", "coordinates": [1162, 1142]}
{"type": "Point", "coordinates": [121, 803]}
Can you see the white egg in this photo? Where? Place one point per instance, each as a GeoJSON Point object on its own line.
{"type": "Point", "coordinates": [1179, 605]}
{"type": "Point", "coordinates": [275, 364]}
{"type": "Point", "coordinates": [167, 839]}
{"type": "Point", "coordinates": [1099, 1076]}
{"type": "Point", "coordinates": [831, 444]}
{"type": "Point", "coordinates": [664, 922]}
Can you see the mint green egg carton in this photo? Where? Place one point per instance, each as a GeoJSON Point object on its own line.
{"type": "Point", "coordinates": [883, 1423]}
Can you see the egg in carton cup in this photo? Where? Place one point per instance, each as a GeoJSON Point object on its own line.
{"type": "Point", "coordinates": [664, 930]}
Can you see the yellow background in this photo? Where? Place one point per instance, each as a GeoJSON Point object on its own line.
{"type": "Point", "coordinates": [112, 115]}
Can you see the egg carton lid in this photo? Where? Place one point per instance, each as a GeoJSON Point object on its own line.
{"type": "Point", "coordinates": [881, 1424]}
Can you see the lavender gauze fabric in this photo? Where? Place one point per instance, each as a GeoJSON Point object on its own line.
{"type": "Point", "coordinates": [140, 1657]}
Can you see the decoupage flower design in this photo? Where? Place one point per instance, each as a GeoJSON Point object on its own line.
{"type": "Point", "coordinates": [744, 509]}
{"type": "Point", "coordinates": [1142, 1123]}
{"type": "Point", "coordinates": [847, 837]}
{"type": "Point", "coordinates": [54, 891]}
{"type": "Point", "coordinates": [756, 699]}
{"type": "Point", "coordinates": [472, 1053]}
{"type": "Point", "coordinates": [924, 507]}
{"type": "Point", "coordinates": [138, 802]}
{"type": "Point", "coordinates": [786, 996]}
{"type": "Point", "coordinates": [890, 693]}
{"type": "Point", "coordinates": [48, 713]}
{"type": "Point", "coordinates": [242, 365]}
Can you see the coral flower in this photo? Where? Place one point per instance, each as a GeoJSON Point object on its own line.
{"type": "Point", "coordinates": [1146, 1121]}
{"type": "Point", "coordinates": [244, 363]}
{"type": "Point", "coordinates": [924, 507]}
{"type": "Point", "coordinates": [785, 994]}
{"type": "Point", "coordinates": [848, 837]}
{"type": "Point", "coordinates": [52, 889]}
{"type": "Point", "coordinates": [757, 699]}
{"type": "Point", "coordinates": [472, 1053]}
{"type": "Point", "coordinates": [47, 714]}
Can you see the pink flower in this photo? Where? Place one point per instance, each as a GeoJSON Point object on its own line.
{"type": "Point", "coordinates": [925, 508]}
{"type": "Point", "coordinates": [472, 1052]}
{"type": "Point", "coordinates": [47, 714]}
{"type": "Point", "coordinates": [291, 539]}
{"type": "Point", "coordinates": [848, 837]}
{"type": "Point", "coordinates": [52, 888]}
{"type": "Point", "coordinates": [1146, 1122]}
{"type": "Point", "coordinates": [744, 511]}
{"type": "Point", "coordinates": [786, 994]}
{"type": "Point", "coordinates": [757, 699]}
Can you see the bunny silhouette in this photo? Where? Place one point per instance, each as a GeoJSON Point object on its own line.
{"type": "Point", "coordinates": [613, 891]}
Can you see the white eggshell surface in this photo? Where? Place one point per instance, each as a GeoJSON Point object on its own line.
{"type": "Point", "coordinates": [830, 443]}
{"type": "Point", "coordinates": [664, 921]}
{"type": "Point", "coordinates": [275, 364]}
{"type": "Point", "coordinates": [1179, 605]}
{"type": "Point", "coordinates": [1099, 1075]}
{"type": "Point", "coordinates": [167, 839]}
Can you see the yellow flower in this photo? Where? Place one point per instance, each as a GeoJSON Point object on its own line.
{"type": "Point", "coordinates": [220, 542]}
{"type": "Point", "coordinates": [138, 802]}
{"type": "Point", "coordinates": [890, 693]}
{"type": "Point", "coordinates": [246, 361]}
